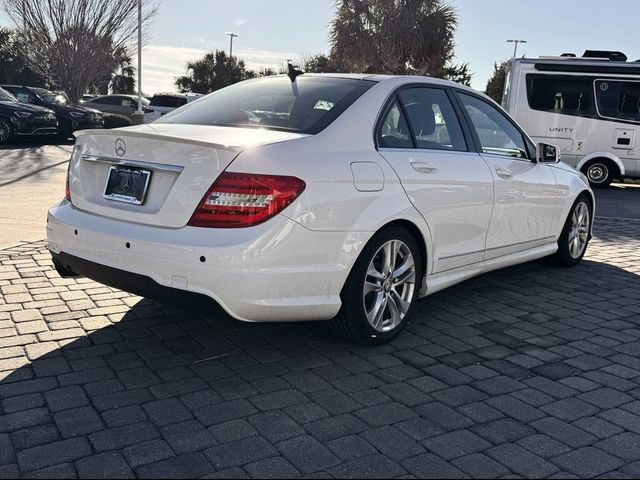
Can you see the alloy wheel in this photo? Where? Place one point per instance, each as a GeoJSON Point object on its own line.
{"type": "Point", "coordinates": [5, 132]}
{"type": "Point", "coordinates": [389, 286]}
{"type": "Point", "coordinates": [597, 173]}
{"type": "Point", "coordinates": [579, 231]}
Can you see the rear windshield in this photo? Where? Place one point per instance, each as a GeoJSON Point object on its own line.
{"type": "Point", "coordinates": [308, 105]}
{"type": "Point", "coordinates": [6, 96]}
{"type": "Point", "coordinates": [168, 101]}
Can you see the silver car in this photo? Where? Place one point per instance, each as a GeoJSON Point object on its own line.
{"type": "Point", "coordinates": [125, 105]}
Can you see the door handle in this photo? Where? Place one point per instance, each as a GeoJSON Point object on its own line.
{"type": "Point", "coordinates": [424, 167]}
{"type": "Point", "coordinates": [504, 173]}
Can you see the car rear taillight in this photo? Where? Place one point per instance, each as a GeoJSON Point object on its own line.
{"type": "Point", "coordinates": [245, 199]}
{"type": "Point", "coordinates": [67, 189]}
{"type": "Point", "coordinates": [148, 110]}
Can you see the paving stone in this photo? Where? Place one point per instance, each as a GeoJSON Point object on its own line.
{"type": "Point", "coordinates": [187, 437]}
{"type": "Point", "coordinates": [166, 412]}
{"type": "Point", "coordinates": [588, 461]}
{"type": "Point", "coordinates": [386, 414]}
{"type": "Point", "coordinates": [393, 443]}
{"type": "Point", "coordinates": [350, 447]}
{"type": "Point", "coordinates": [64, 470]}
{"type": "Point", "coordinates": [543, 446]}
{"type": "Point", "coordinates": [120, 437]}
{"type": "Point", "coordinates": [625, 446]}
{"type": "Point", "coordinates": [563, 432]}
{"type": "Point", "coordinates": [521, 461]}
{"type": "Point", "coordinates": [569, 409]}
{"type": "Point", "coordinates": [53, 453]}
{"type": "Point", "coordinates": [78, 421]}
{"type": "Point", "coordinates": [147, 452]}
{"type": "Point", "coordinates": [477, 465]}
{"type": "Point", "coordinates": [240, 452]}
{"type": "Point", "coordinates": [502, 431]}
{"type": "Point", "coordinates": [232, 430]}
{"type": "Point", "coordinates": [104, 465]}
{"type": "Point", "coordinates": [606, 398]}
{"type": "Point", "coordinates": [456, 444]}
{"type": "Point", "coordinates": [275, 467]}
{"type": "Point", "coordinates": [188, 465]}
{"type": "Point", "coordinates": [428, 465]}
{"type": "Point", "coordinates": [307, 454]}
{"type": "Point", "coordinates": [275, 426]}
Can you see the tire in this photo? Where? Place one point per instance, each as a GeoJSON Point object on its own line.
{"type": "Point", "coordinates": [6, 132]}
{"type": "Point", "coordinates": [393, 297]}
{"type": "Point", "coordinates": [575, 236]}
{"type": "Point", "coordinates": [600, 172]}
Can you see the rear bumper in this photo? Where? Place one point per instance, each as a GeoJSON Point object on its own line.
{"type": "Point", "coordinates": [277, 271]}
{"type": "Point", "coordinates": [69, 266]}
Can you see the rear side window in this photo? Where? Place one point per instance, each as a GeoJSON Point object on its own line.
{"type": "Point", "coordinates": [168, 101]}
{"type": "Point", "coordinates": [308, 105]}
{"type": "Point", "coordinates": [617, 99]}
{"type": "Point", "coordinates": [497, 135]}
{"type": "Point", "coordinates": [433, 120]}
{"type": "Point", "coordinates": [565, 95]}
{"type": "Point", "coordinates": [394, 130]}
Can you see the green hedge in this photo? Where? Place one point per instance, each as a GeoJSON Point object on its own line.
{"type": "Point", "coordinates": [113, 120]}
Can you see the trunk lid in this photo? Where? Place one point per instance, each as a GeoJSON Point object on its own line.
{"type": "Point", "coordinates": [183, 161]}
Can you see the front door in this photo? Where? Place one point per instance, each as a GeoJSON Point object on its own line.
{"type": "Point", "coordinates": [448, 183]}
{"type": "Point", "coordinates": [525, 192]}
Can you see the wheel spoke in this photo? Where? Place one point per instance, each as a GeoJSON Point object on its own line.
{"type": "Point", "coordinates": [376, 315]}
{"type": "Point", "coordinates": [373, 272]}
{"type": "Point", "coordinates": [394, 309]}
{"type": "Point", "coordinates": [390, 253]}
{"type": "Point", "coordinates": [403, 305]}
{"type": "Point", "coordinates": [371, 287]}
{"type": "Point", "coordinates": [405, 271]}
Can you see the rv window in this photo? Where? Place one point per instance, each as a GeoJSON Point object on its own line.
{"type": "Point", "coordinates": [565, 95]}
{"type": "Point", "coordinates": [618, 99]}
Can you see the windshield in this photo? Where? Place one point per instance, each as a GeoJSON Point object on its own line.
{"type": "Point", "coordinates": [308, 105]}
{"type": "Point", "coordinates": [51, 97]}
{"type": "Point", "coordinates": [6, 96]}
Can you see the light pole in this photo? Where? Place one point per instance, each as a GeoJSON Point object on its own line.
{"type": "Point", "coordinates": [231, 37]}
{"type": "Point", "coordinates": [140, 112]}
{"type": "Point", "coordinates": [515, 46]}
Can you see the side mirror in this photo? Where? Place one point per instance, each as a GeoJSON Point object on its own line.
{"type": "Point", "coordinates": [548, 153]}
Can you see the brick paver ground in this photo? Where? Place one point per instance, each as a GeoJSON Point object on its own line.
{"type": "Point", "coordinates": [532, 371]}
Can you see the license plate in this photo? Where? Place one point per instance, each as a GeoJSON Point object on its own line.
{"type": "Point", "coordinates": [127, 184]}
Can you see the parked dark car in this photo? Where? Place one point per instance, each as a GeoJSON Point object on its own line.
{"type": "Point", "coordinates": [70, 117]}
{"type": "Point", "coordinates": [22, 119]}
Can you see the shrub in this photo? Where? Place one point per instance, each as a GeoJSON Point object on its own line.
{"type": "Point", "coordinates": [113, 120]}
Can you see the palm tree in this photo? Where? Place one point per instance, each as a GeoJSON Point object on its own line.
{"type": "Point", "coordinates": [123, 81]}
{"type": "Point", "coordinates": [396, 37]}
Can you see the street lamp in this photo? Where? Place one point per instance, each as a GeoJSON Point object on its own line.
{"type": "Point", "coordinates": [515, 47]}
{"type": "Point", "coordinates": [231, 37]}
{"type": "Point", "coordinates": [140, 112]}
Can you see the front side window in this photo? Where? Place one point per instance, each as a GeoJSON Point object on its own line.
{"type": "Point", "coordinates": [307, 105]}
{"type": "Point", "coordinates": [497, 135]}
{"type": "Point", "coordinates": [617, 99]}
{"type": "Point", "coordinates": [432, 118]}
{"type": "Point", "coordinates": [394, 129]}
{"type": "Point", "coordinates": [565, 95]}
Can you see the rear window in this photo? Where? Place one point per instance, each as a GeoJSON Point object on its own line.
{"type": "Point", "coordinates": [308, 105]}
{"type": "Point", "coordinates": [168, 101]}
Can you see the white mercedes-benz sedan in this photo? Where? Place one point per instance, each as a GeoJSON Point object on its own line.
{"type": "Point", "coordinates": [317, 197]}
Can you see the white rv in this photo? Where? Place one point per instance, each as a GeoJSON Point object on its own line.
{"type": "Point", "coordinates": [588, 106]}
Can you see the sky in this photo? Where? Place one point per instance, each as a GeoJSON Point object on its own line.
{"type": "Point", "coordinates": [270, 31]}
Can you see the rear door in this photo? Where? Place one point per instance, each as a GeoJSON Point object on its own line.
{"type": "Point", "coordinates": [448, 183]}
{"type": "Point", "coordinates": [526, 202]}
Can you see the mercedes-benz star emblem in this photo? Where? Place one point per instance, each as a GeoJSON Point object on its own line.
{"type": "Point", "coordinates": [121, 147]}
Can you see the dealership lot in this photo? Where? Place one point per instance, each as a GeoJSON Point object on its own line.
{"type": "Point", "coordinates": [531, 371]}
